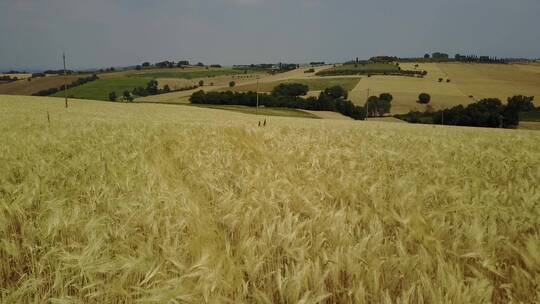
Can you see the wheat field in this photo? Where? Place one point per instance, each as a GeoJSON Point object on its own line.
{"type": "Point", "coordinates": [140, 203]}
{"type": "Point", "coordinates": [468, 83]}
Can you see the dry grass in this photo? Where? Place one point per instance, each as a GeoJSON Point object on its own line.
{"type": "Point", "coordinates": [166, 204]}
{"type": "Point", "coordinates": [494, 80]}
{"type": "Point", "coordinates": [477, 80]}
{"type": "Point", "coordinates": [175, 83]}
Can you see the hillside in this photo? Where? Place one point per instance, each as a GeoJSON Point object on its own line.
{"type": "Point", "coordinates": [117, 202]}
{"type": "Point", "coordinates": [468, 83]}
{"type": "Point", "coordinates": [25, 87]}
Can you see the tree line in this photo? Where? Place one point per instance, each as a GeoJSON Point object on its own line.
{"type": "Point", "coordinates": [171, 64]}
{"type": "Point", "coordinates": [478, 59]}
{"type": "Point", "coordinates": [75, 83]}
{"type": "Point", "coordinates": [488, 112]}
{"type": "Point", "coordinates": [370, 72]}
{"type": "Point", "coordinates": [286, 95]}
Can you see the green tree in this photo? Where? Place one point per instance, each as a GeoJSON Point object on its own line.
{"type": "Point", "coordinates": [386, 96]}
{"type": "Point", "coordinates": [152, 87]}
{"type": "Point", "coordinates": [112, 96]}
{"type": "Point", "coordinates": [232, 84]}
{"type": "Point", "coordinates": [424, 98]}
{"type": "Point", "coordinates": [336, 92]}
{"type": "Point", "coordinates": [383, 107]}
{"type": "Point", "coordinates": [371, 105]}
{"type": "Point", "coordinates": [290, 89]}
{"type": "Point", "coordinates": [521, 103]}
{"type": "Point", "coordinates": [128, 96]}
{"type": "Point", "coordinates": [201, 83]}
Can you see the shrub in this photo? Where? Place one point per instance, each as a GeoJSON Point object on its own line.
{"type": "Point", "coordinates": [127, 96]}
{"type": "Point", "coordinates": [232, 84]}
{"type": "Point", "coordinates": [290, 89]}
{"type": "Point", "coordinates": [424, 98]}
{"type": "Point", "coordinates": [112, 96]}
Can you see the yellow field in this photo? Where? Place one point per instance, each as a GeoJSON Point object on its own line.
{"type": "Point", "coordinates": [477, 80]}
{"type": "Point", "coordinates": [491, 80]}
{"type": "Point", "coordinates": [18, 75]}
{"type": "Point", "coordinates": [175, 83]}
{"type": "Point", "coordinates": [125, 203]}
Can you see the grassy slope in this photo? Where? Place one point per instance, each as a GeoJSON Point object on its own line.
{"type": "Point", "coordinates": [287, 112]}
{"type": "Point", "coordinates": [100, 89]}
{"type": "Point", "coordinates": [315, 84]}
{"type": "Point", "coordinates": [123, 202]}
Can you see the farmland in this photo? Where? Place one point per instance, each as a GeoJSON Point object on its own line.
{"type": "Point", "coordinates": [25, 87]}
{"type": "Point", "coordinates": [468, 82]}
{"type": "Point", "coordinates": [116, 202]}
{"type": "Point", "coordinates": [176, 78]}
{"type": "Point", "coordinates": [461, 83]}
{"type": "Point", "coordinates": [192, 73]}
{"type": "Point", "coordinates": [100, 89]}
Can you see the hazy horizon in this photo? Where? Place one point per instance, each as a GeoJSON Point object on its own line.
{"type": "Point", "coordinates": [104, 33]}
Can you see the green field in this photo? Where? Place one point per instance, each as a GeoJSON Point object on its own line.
{"type": "Point", "coordinates": [128, 80]}
{"type": "Point", "coordinates": [263, 111]}
{"type": "Point", "coordinates": [315, 84]}
{"type": "Point", "coordinates": [187, 74]}
{"type": "Point", "coordinates": [361, 69]}
{"type": "Point", "coordinates": [100, 89]}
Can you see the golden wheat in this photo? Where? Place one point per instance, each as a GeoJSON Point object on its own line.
{"type": "Point", "coordinates": [122, 203]}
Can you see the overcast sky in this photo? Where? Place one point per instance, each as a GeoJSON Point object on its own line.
{"type": "Point", "coordinates": [99, 33]}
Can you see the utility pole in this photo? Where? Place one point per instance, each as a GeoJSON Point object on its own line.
{"type": "Point", "coordinates": [442, 120]}
{"type": "Point", "coordinates": [367, 104]}
{"type": "Point", "coordinates": [257, 108]}
{"type": "Point", "coordinates": [65, 79]}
